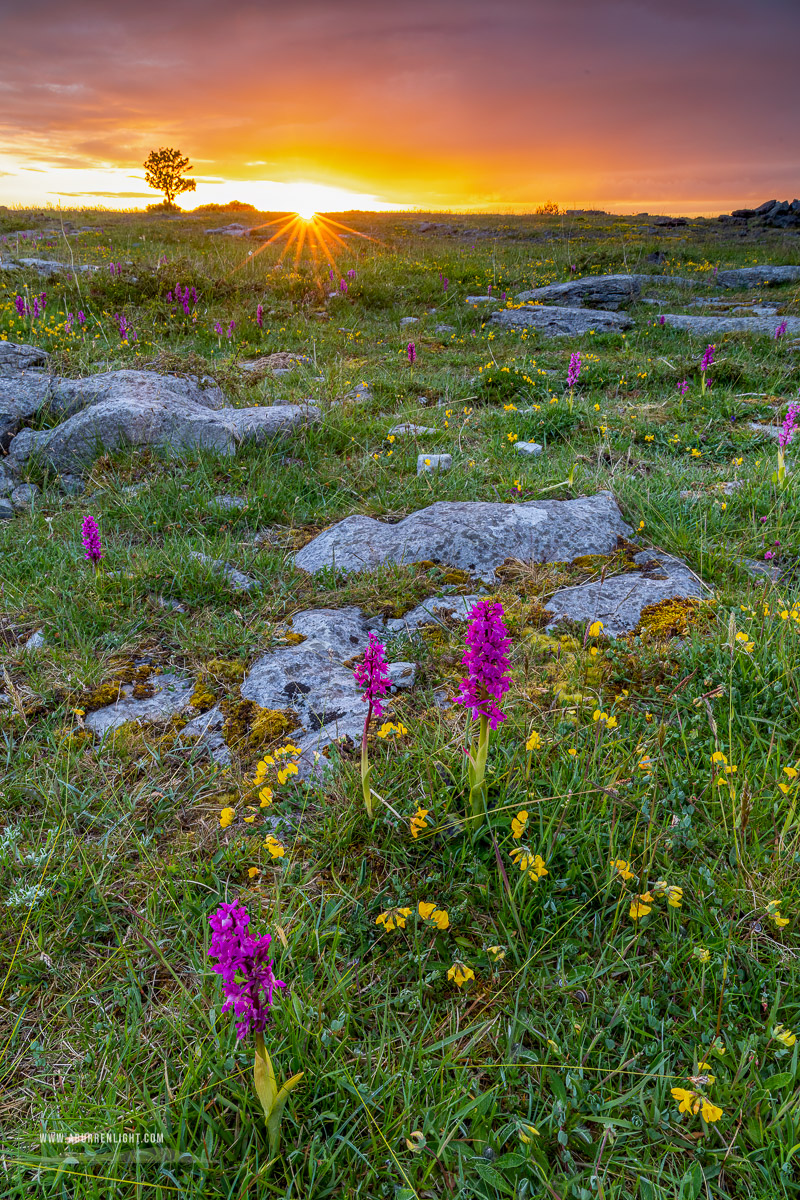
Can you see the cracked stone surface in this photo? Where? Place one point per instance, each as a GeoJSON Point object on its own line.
{"type": "Point", "coordinates": [409, 429]}
{"type": "Point", "coordinates": [618, 601]}
{"type": "Point", "coordinates": [709, 325]}
{"type": "Point", "coordinates": [48, 267]}
{"type": "Point", "coordinates": [609, 292]}
{"type": "Point", "coordinates": [753, 277]}
{"type": "Point", "coordinates": [555, 321]}
{"type": "Point", "coordinates": [171, 696]}
{"type": "Point", "coordinates": [17, 356]}
{"type": "Point", "coordinates": [475, 536]}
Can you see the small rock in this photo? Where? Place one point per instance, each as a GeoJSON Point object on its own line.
{"type": "Point", "coordinates": [237, 579]}
{"type": "Point", "coordinates": [429, 464]}
{"type": "Point", "coordinates": [483, 299]}
{"type": "Point", "coordinates": [172, 605]}
{"type": "Point", "coordinates": [24, 496]}
{"type": "Point", "coordinates": [712, 325]}
{"type": "Point", "coordinates": [528, 449]}
{"type": "Point", "coordinates": [6, 510]}
{"type": "Point", "coordinates": [759, 569]}
{"type": "Point", "coordinates": [7, 484]}
{"type": "Point", "coordinates": [445, 329]}
{"type": "Point", "coordinates": [70, 485]}
{"type": "Point", "coordinates": [402, 674]}
{"type": "Point", "coordinates": [171, 695]}
{"type": "Point", "coordinates": [34, 642]}
{"type": "Point", "coordinates": [431, 612]}
{"type": "Point", "coordinates": [407, 428]}
{"type": "Point", "coordinates": [228, 503]}
{"type": "Point", "coordinates": [409, 320]}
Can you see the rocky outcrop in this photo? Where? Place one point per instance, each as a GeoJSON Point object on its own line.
{"type": "Point", "coordinates": [475, 536]}
{"type": "Point", "coordinates": [561, 322]}
{"type": "Point", "coordinates": [709, 325]}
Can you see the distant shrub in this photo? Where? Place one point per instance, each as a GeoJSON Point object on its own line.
{"type": "Point", "coordinates": [233, 206]}
{"type": "Point", "coordinates": [548, 209]}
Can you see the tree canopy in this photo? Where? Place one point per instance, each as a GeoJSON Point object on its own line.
{"type": "Point", "coordinates": [165, 171]}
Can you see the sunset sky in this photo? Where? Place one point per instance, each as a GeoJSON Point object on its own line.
{"type": "Point", "coordinates": [659, 105]}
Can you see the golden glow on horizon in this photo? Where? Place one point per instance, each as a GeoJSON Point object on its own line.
{"type": "Point", "coordinates": [316, 234]}
{"type": "Point", "coordinates": [306, 214]}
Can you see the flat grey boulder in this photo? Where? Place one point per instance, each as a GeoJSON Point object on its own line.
{"type": "Point", "coordinates": [17, 356]}
{"type": "Point", "coordinates": [260, 423]}
{"type": "Point", "coordinates": [169, 421]}
{"type": "Point", "coordinates": [234, 229]}
{"type": "Point", "coordinates": [69, 396]}
{"type": "Point", "coordinates": [619, 600]}
{"type": "Point", "coordinates": [592, 291]}
{"type": "Point", "coordinates": [709, 325]}
{"type": "Point", "coordinates": [474, 536]}
{"type": "Point", "coordinates": [48, 267]}
{"type": "Point", "coordinates": [753, 277]}
{"type": "Point", "coordinates": [554, 321]}
{"type": "Point", "coordinates": [6, 510]}
{"type": "Point", "coordinates": [171, 695]}
{"type": "Point", "coordinates": [528, 449]}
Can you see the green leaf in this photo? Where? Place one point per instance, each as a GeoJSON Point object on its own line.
{"type": "Point", "coordinates": [489, 1175]}
{"type": "Point", "coordinates": [264, 1077]}
{"type": "Point", "coordinates": [557, 1086]}
{"type": "Point", "coordinates": [274, 1122]}
{"type": "Point", "coordinates": [692, 1182]}
{"type": "Point", "coordinates": [510, 1160]}
{"type": "Point", "coordinates": [776, 1082]}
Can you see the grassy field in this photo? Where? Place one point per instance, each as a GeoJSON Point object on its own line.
{"type": "Point", "coordinates": [544, 1067]}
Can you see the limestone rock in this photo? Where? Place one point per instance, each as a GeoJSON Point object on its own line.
{"type": "Point", "coordinates": [431, 464]}
{"type": "Point", "coordinates": [709, 325]}
{"type": "Point", "coordinates": [483, 300]}
{"type": "Point", "coordinates": [407, 428]}
{"type": "Point", "coordinates": [431, 612]}
{"type": "Point", "coordinates": [554, 321]}
{"type": "Point", "coordinates": [24, 496]}
{"type": "Point", "coordinates": [258, 424]}
{"type": "Point", "coordinates": [6, 510]}
{"type": "Point", "coordinates": [402, 674]}
{"type": "Point", "coordinates": [528, 449]}
{"type": "Point", "coordinates": [17, 356]}
{"type": "Point", "coordinates": [234, 229]}
{"type": "Point", "coordinates": [619, 600]}
{"type": "Point", "coordinates": [34, 642]}
{"type": "Point", "coordinates": [475, 536]}
{"type": "Point", "coordinates": [237, 579]}
{"type": "Point", "coordinates": [609, 292]}
{"type": "Point", "coordinates": [172, 694]}
{"type": "Point", "coordinates": [48, 267]}
{"type": "Point", "coordinates": [7, 484]}
{"type": "Point", "coordinates": [753, 277]}
{"type": "Point", "coordinates": [169, 420]}
{"type": "Point", "coordinates": [72, 395]}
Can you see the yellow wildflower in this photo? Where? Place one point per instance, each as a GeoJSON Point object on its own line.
{"type": "Point", "coordinates": [674, 896]}
{"type": "Point", "coordinates": [531, 865]}
{"type": "Point", "coordinates": [784, 1036]}
{"type": "Point", "coordinates": [518, 824]}
{"type": "Point", "coordinates": [393, 918]}
{"type": "Point", "coordinates": [572, 751]}
{"type": "Point", "coordinates": [497, 952]}
{"type": "Point", "coordinates": [526, 1132]}
{"type": "Point", "coordinates": [694, 1103]}
{"type": "Point", "coordinates": [459, 973]}
{"type": "Point", "coordinates": [285, 772]}
{"type": "Point", "coordinates": [226, 817]}
{"type": "Point", "coordinates": [392, 727]}
{"type": "Point", "coordinates": [418, 821]}
{"type": "Point", "coordinates": [534, 742]}
{"type": "Point", "coordinates": [701, 954]}
{"type": "Point", "coordinates": [265, 797]}
{"type": "Point", "coordinates": [253, 871]}
{"type": "Point", "coordinates": [641, 906]}
{"type": "Point", "coordinates": [429, 912]}
{"type": "Point", "coordinates": [623, 868]}
{"type": "Point", "coordinates": [595, 629]}
{"type": "Point", "coordinates": [275, 848]}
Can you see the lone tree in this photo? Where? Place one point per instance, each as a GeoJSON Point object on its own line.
{"type": "Point", "coordinates": [164, 170]}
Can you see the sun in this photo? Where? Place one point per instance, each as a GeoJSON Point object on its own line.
{"type": "Point", "coordinates": [306, 213]}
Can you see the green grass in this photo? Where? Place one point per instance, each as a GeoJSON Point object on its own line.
{"type": "Point", "coordinates": [583, 1019]}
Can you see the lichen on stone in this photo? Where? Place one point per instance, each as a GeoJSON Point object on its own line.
{"type": "Point", "coordinates": [248, 725]}
{"type": "Point", "coordinates": [668, 618]}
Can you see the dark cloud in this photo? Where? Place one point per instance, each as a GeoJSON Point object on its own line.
{"type": "Point", "coordinates": [431, 100]}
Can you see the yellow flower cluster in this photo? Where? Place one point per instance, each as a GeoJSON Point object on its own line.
{"type": "Point", "coordinates": [693, 1102]}
{"type": "Point", "coordinates": [419, 821]}
{"type": "Point", "coordinates": [390, 727]}
{"type": "Point", "coordinates": [530, 864]}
